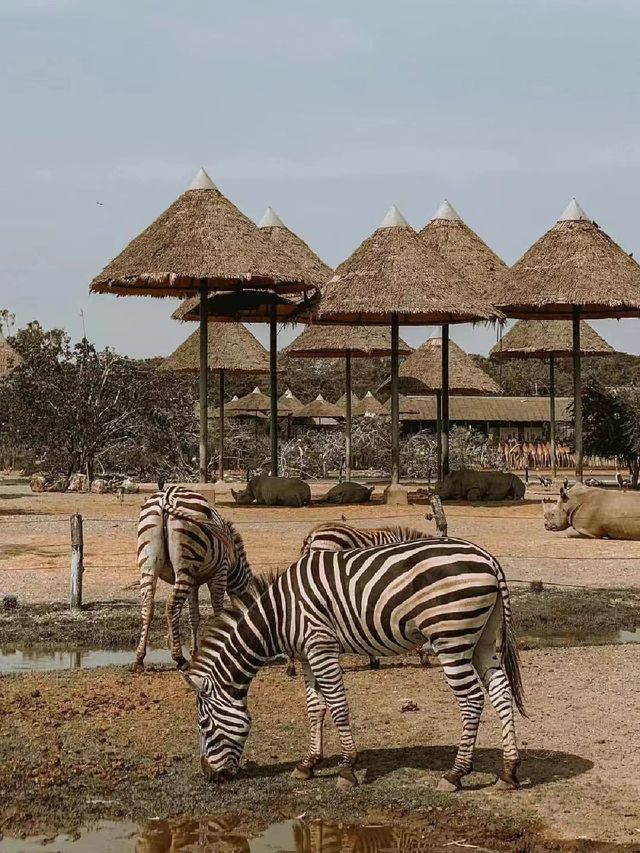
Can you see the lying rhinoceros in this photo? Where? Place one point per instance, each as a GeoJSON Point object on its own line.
{"type": "Point", "coordinates": [596, 513]}
{"type": "Point", "coordinates": [274, 491]}
{"type": "Point", "coordinates": [348, 493]}
{"type": "Point", "coordinates": [468, 485]}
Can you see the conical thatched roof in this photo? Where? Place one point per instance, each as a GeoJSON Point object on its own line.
{"type": "Point", "coordinates": [315, 270]}
{"type": "Point", "coordinates": [464, 250]}
{"type": "Point", "coordinates": [421, 373]}
{"type": "Point", "coordinates": [202, 236]}
{"type": "Point", "coordinates": [251, 403]}
{"type": "Point", "coordinates": [9, 358]}
{"type": "Point", "coordinates": [318, 341]}
{"type": "Point", "coordinates": [542, 338]}
{"type": "Point", "coordinates": [288, 403]}
{"type": "Point", "coordinates": [574, 263]}
{"type": "Point", "coordinates": [367, 406]}
{"type": "Point", "coordinates": [342, 402]}
{"type": "Point", "coordinates": [231, 347]}
{"type": "Point", "coordinates": [319, 408]}
{"type": "Point", "coordinates": [395, 271]}
{"type": "Point", "coordinates": [246, 306]}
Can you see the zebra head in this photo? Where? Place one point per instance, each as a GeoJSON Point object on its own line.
{"type": "Point", "coordinates": [224, 725]}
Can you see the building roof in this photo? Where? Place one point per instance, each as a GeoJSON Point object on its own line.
{"type": "Point", "coordinates": [542, 338]}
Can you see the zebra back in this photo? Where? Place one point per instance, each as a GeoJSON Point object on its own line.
{"type": "Point", "coordinates": [332, 536]}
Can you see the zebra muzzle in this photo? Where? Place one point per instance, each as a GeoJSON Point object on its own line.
{"type": "Point", "coordinates": [217, 776]}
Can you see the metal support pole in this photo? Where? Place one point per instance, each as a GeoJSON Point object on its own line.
{"type": "Point", "coordinates": [273, 364]}
{"type": "Point", "coordinates": [77, 566]}
{"type": "Point", "coordinates": [347, 435]}
{"type": "Point", "coordinates": [221, 428]}
{"type": "Point", "coordinates": [445, 400]}
{"type": "Point", "coordinates": [204, 386]}
{"type": "Point", "coordinates": [552, 413]}
{"type": "Point", "coordinates": [577, 394]}
{"type": "Point", "coordinates": [439, 432]}
{"type": "Point", "coordinates": [395, 402]}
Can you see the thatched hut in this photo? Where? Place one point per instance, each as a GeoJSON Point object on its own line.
{"type": "Point", "coordinates": [552, 339]}
{"type": "Point", "coordinates": [201, 243]}
{"type": "Point", "coordinates": [575, 271]}
{"type": "Point", "coordinates": [346, 342]}
{"type": "Point", "coordinates": [341, 402]}
{"type": "Point", "coordinates": [397, 277]}
{"type": "Point", "coordinates": [288, 403]}
{"type": "Point", "coordinates": [369, 406]}
{"type": "Point", "coordinates": [231, 349]}
{"type": "Point", "coordinates": [9, 358]}
{"type": "Point", "coordinates": [321, 411]}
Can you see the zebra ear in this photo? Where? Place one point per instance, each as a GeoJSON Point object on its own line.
{"type": "Point", "coordinates": [199, 683]}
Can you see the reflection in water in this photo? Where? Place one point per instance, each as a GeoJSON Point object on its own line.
{"type": "Point", "coordinates": [223, 835]}
{"type": "Point", "coordinates": [37, 660]}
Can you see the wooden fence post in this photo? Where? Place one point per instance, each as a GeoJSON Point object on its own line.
{"type": "Point", "coordinates": [77, 567]}
{"type": "Point", "coordinates": [438, 514]}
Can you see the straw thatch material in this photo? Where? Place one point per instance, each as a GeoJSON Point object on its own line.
{"type": "Point", "coordinates": [201, 237]}
{"type": "Point", "coordinates": [367, 406]}
{"type": "Point", "coordinates": [232, 347]}
{"type": "Point", "coordinates": [542, 338]}
{"type": "Point", "coordinates": [574, 263]}
{"type": "Point", "coordinates": [342, 402]}
{"type": "Point", "coordinates": [505, 410]}
{"type": "Point", "coordinates": [9, 358]}
{"type": "Point", "coordinates": [315, 271]}
{"type": "Point", "coordinates": [407, 407]}
{"type": "Point", "coordinates": [246, 306]}
{"type": "Point", "coordinates": [288, 404]}
{"type": "Point", "coordinates": [251, 403]}
{"type": "Point", "coordinates": [421, 373]}
{"type": "Point", "coordinates": [319, 408]}
{"type": "Point", "coordinates": [319, 341]}
{"type": "Point", "coordinates": [395, 271]}
{"type": "Point", "coordinates": [447, 234]}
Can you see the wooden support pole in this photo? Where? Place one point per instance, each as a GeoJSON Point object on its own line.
{"type": "Point", "coordinates": [77, 566]}
{"type": "Point", "coordinates": [552, 413]}
{"type": "Point", "coordinates": [273, 364]}
{"type": "Point", "coordinates": [395, 401]}
{"type": "Point", "coordinates": [221, 428]}
{"type": "Point", "coordinates": [439, 432]}
{"type": "Point", "coordinates": [445, 400]}
{"type": "Point", "coordinates": [347, 433]}
{"type": "Point", "coordinates": [204, 384]}
{"type": "Point", "coordinates": [577, 394]}
{"type": "Point", "coordinates": [438, 514]}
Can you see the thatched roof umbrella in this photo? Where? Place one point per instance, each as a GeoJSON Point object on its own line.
{"type": "Point", "coordinates": [396, 277]}
{"type": "Point", "coordinates": [344, 342]}
{"type": "Point", "coordinates": [341, 403]}
{"type": "Point", "coordinates": [542, 339]}
{"type": "Point", "coordinates": [368, 406]}
{"type": "Point", "coordinates": [319, 409]}
{"type": "Point", "coordinates": [231, 349]}
{"type": "Point", "coordinates": [201, 243]}
{"type": "Point", "coordinates": [575, 271]}
{"type": "Point", "coordinates": [262, 307]}
{"type": "Point", "coordinates": [288, 403]}
{"type": "Point", "coordinates": [9, 358]}
{"type": "Point", "coordinates": [421, 374]}
{"type": "Point", "coordinates": [253, 403]}
{"type": "Point", "coordinates": [470, 256]}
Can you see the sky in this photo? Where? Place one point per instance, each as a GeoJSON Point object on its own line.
{"type": "Point", "coordinates": [330, 112]}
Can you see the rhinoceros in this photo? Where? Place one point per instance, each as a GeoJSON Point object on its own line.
{"type": "Point", "coordinates": [348, 493]}
{"type": "Point", "coordinates": [595, 513]}
{"type": "Point", "coordinates": [469, 485]}
{"type": "Point", "coordinates": [274, 491]}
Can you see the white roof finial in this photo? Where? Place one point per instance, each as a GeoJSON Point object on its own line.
{"type": "Point", "coordinates": [256, 390]}
{"type": "Point", "coordinates": [202, 181]}
{"type": "Point", "coordinates": [270, 219]}
{"type": "Point", "coordinates": [320, 398]}
{"type": "Point", "coordinates": [447, 211]}
{"type": "Point", "coordinates": [394, 219]}
{"type": "Point", "coordinates": [573, 213]}
{"type": "Point", "coordinates": [368, 394]}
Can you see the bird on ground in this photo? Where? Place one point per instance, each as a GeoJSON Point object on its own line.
{"type": "Point", "coordinates": [565, 483]}
{"type": "Point", "coordinates": [593, 482]}
{"type": "Point", "coordinates": [545, 481]}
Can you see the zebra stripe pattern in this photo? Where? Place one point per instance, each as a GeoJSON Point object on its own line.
{"type": "Point", "coordinates": [187, 543]}
{"type": "Point", "coordinates": [373, 601]}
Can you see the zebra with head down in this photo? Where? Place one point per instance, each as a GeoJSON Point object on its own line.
{"type": "Point", "coordinates": [381, 600]}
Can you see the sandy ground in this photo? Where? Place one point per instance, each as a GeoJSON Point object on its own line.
{"type": "Point", "coordinates": [108, 743]}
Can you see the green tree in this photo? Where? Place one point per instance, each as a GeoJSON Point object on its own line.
{"type": "Point", "coordinates": [611, 425]}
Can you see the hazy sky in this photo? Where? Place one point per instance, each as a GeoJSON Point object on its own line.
{"type": "Point", "coordinates": [329, 111]}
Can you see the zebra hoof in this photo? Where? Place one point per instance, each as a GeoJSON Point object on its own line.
{"type": "Point", "coordinates": [346, 779]}
{"type": "Point", "coordinates": [291, 670]}
{"type": "Point", "coordinates": [137, 666]}
{"type": "Point", "coordinates": [303, 772]}
{"type": "Point", "coordinates": [425, 660]}
{"type": "Point", "coordinates": [449, 784]}
{"type": "Point", "coordinates": [374, 663]}
{"type": "Point", "coordinates": [506, 784]}
{"type": "Point", "coordinates": [182, 664]}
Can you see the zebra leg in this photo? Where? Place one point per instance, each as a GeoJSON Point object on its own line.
{"type": "Point", "coordinates": [291, 667]}
{"type": "Point", "coordinates": [316, 710]}
{"type": "Point", "coordinates": [148, 583]}
{"type": "Point", "coordinates": [217, 586]}
{"type": "Point", "coordinates": [374, 663]}
{"type": "Point", "coordinates": [194, 619]}
{"type": "Point", "coordinates": [423, 653]}
{"type": "Point", "coordinates": [465, 684]}
{"type": "Point", "coordinates": [323, 659]}
{"type": "Point", "coordinates": [181, 590]}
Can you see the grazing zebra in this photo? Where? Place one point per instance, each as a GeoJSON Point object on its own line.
{"type": "Point", "coordinates": [380, 600]}
{"type": "Point", "coordinates": [186, 542]}
{"type": "Point", "coordinates": [333, 536]}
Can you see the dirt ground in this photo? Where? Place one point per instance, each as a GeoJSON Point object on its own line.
{"type": "Point", "coordinates": [107, 743]}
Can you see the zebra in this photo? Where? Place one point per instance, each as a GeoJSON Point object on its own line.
{"type": "Point", "coordinates": [186, 542]}
{"type": "Point", "coordinates": [334, 536]}
{"type": "Point", "coordinates": [380, 600]}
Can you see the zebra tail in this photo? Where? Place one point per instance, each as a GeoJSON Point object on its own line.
{"type": "Point", "coordinates": [510, 655]}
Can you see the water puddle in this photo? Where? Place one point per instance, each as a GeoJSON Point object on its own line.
{"type": "Point", "coordinates": [225, 836]}
{"type": "Point", "coordinates": [551, 641]}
